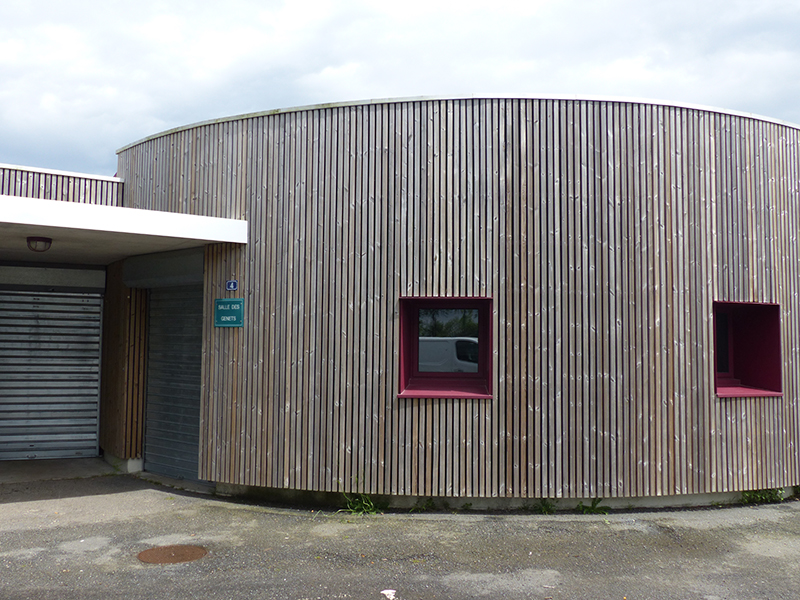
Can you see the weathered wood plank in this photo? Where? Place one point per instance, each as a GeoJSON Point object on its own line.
{"type": "Point", "coordinates": [603, 231]}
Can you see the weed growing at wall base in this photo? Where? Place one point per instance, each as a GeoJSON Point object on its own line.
{"type": "Point", "coordinates": [594, 508]}
{"type": "Point", "coordinates": [423, 505]}
{"type": "Point", "coordinates": [545, 506]}
{"type": "Point", "coordinates": [360, 504]}
{"type": "Point", "coordinates": [762, 496]}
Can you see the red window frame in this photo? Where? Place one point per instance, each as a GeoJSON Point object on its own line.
{"type": "Point", "coordinates": [753, 340]}
{"type": "Point", "coordinates": [422, 384]}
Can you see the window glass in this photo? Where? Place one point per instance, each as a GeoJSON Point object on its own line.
{"type": "Point", "coordinates": [467, 350]}
{"type": "Point", "coordinates": [448, 340]}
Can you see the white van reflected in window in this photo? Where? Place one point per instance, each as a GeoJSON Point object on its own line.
{"type": "Point", "coordinates": [448, 355]}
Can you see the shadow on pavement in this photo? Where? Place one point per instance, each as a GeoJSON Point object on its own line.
{"type": "Point", "coordinates": [31, 491]}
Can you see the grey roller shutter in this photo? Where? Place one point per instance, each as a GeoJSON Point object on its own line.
{"type": "Point", "coordinates": [172, 413]}
{"type": "Point", "coordinates": [49, 374]}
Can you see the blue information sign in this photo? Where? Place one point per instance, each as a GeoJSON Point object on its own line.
{"type": "Point", "coordinates": [229, 312]}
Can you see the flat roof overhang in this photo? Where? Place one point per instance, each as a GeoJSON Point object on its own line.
{"type": "Point", "coordinates": [89, 234]}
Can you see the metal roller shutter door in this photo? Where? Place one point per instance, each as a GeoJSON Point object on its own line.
{"type": "Point", "coordinates": [172, 414]}
{"type": "Point", "coordinates": [49, 374]}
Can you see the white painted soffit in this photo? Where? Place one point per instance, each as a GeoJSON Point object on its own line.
{"type": "Point", "coordinates": [99, 235]}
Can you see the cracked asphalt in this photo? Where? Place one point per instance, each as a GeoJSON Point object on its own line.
{"type": "Point", "coordinates": [80, 539]}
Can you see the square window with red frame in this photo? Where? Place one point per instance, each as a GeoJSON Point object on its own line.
{"type": "Point", "coordinates": [445, 348]}
{"type": "Point", "coordinates": [747, 349]}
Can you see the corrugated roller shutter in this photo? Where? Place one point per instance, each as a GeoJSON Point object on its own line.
{"type": "Point", "coordinates": [49, 374]}
{"type": "Point", "coordinates": [172, 414]}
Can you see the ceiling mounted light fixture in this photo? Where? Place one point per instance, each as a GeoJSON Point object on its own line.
{"type": "Point", "coordinates": [39, 244]}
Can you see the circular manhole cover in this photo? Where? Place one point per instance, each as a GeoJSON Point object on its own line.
{"type": "Point", "coordinates": [166, 555]}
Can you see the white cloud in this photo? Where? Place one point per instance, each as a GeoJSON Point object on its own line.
{"type": "Point", "coordinates": [338, 80]}
{"type": "Point", "coordinates": [80, 79]}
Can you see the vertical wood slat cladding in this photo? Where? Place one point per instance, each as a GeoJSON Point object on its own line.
{"type": "Point", "coordinates": [31, 183]}
{"type": "Point", "coordinates": [122, 391]}
{"type": "Point", "coordinates": [603, 231]}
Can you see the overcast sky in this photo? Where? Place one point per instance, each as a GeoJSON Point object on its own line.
{"type": "Point", "coordinates": [79, 79]}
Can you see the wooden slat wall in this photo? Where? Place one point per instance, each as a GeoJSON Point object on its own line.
{"type": "Point", "coordinates": [45, 185]}
{"type": "Point", "coordinates": [122, 389]}
{"type": "Point", "coordinates": [602, 230]}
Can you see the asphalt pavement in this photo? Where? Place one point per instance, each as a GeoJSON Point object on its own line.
{"type": "Point", "coordinates": [80, 538]}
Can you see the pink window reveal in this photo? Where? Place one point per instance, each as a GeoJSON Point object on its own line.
{"type": "Point", "coordinates": [445, 348]}
{"type": "Point", "coordinates": [747, 349]}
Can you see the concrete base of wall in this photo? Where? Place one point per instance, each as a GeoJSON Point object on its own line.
{"type": "Point", "coordinates": [124, 465]}
{"type": "Point", "coordinates": [188, 485]}
{"type": "Point", "coordinates": [294, 498]}
{"type": "Point", "coordinates": [298, 498]}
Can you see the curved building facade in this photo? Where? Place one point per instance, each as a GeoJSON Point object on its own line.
{"type": "Point", "coordinates": [612, 285]}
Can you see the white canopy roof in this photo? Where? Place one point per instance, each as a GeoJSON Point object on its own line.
{"type": "Point", "coordinates": [98, 235]}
